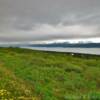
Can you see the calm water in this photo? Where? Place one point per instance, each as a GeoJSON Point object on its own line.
{"type": "Point", "coordinates": [74, 50]}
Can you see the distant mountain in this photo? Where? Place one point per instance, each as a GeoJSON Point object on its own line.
{"type": "Point", "coordinates": [66, 44]}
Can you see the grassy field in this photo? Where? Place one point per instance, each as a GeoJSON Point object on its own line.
{"type": "Point", "coordinates": [37, 75]}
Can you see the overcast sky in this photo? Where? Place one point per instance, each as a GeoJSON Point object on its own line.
{"type": "Point", "coordinates": [41, 20]}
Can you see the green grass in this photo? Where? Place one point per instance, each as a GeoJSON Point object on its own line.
{"type": "Point", "coordinates": [37, 75]}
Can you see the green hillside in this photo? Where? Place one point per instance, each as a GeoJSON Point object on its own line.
{"type": "Point", "coordinates": [37, 75]}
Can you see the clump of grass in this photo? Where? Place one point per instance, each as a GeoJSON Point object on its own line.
{"type": "Point", "coordinates": [4, 94]}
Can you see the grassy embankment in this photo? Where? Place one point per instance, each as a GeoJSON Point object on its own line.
{"type": "Point", "coordinates": [37, 75]}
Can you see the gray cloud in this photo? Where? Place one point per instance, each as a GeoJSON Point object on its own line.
{"type": "Point", "coordinates": [36, 20]}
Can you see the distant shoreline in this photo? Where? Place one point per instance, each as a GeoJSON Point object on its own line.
{"type": "Point", "coordinates": [91, 51]}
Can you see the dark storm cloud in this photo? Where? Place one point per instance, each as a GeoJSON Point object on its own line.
{"type": "Point", "coordinates": [33, 20]}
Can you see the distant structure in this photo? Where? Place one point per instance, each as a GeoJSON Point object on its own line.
{"type": "Point", "coordinates": [72, 54]}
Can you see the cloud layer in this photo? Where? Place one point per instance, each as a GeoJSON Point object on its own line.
{"type": "Point", "coordinates": [40, 20]}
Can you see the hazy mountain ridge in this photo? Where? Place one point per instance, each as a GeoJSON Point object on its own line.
{"type": "Point", "coordinates": [66, 44]}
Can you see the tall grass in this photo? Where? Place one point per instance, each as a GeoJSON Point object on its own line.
{"type": "Point", "coordinates": [37, 75]}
